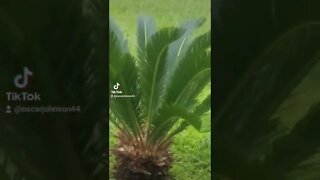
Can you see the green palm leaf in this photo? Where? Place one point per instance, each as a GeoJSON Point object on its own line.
{"type": "Point", "coordinates": [122, 42]}
{"type": "Point", "coordinates": [123, 71]}
{"type": "Point", "coordinates": [146, 29]}
{"type": "Point", "coordinates": [178, 48]}
{"type": "Point", "coordinates": [291, 153]}
{"type": "Point", "coordinates": [153, 73]}
{"type": "Point", "coordinates": [197, 63]}
{"type": "Point", "coordinates": [184, 87]}
{"type": "Point", "coordinates": [254, 123]}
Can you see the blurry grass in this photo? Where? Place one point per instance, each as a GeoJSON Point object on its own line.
{"type": "Point", "coordinates": [191, 148]}
{"type": "Point", "coordinates": [192, 155]}
{"type": "Point", "coordinates": [112, 141]}
{"type": "Point", "coordinates": [166, 13]}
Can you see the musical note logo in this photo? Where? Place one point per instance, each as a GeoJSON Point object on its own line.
{"type": "Point", "coordinates": [22, 80]}
{"type": "Point", "coordinates": [115, 87]}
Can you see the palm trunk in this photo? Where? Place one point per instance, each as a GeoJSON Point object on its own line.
{"type": "Point", "coordinates": [136, 160]}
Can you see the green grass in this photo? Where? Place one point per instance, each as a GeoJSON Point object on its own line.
{"type": "Point", "coordinates": [191, 148]}
{"type": "Point", "coordinates": [166, 13]}
{"type": "Point", "coordinates": [192, 155]}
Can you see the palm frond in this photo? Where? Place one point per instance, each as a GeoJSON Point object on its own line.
{"type": "Point", "coordinates": [178, 48]}
{"type": "Point", "coordinates": [293, 150]}
{"type": "Point", "coordinates": [306, 170]}
{"type": "Point", "coordinates": [123, 71]}
{"type": "Point", "coordinates": [146, 29]}
{"type": "Point", "coordinates": [168, 117]}
{"type": "Point", "coordinates": [197, 63]}
{"type": "Point", "coordinates": [126, 109]}
{"type": "Point", "coordinates": [153, 73]}
{"type": "Point", "coordinates": [184, 87]}
{"type": "Point", "coordinates": [122, 42]}
{"type": "Point", "coordinates": [266, 85]}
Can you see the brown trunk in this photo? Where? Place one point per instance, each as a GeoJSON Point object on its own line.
{"type": "Point", "coordinates": [124, 172]}
{"type": "Point", "coordinates": [137, 160]}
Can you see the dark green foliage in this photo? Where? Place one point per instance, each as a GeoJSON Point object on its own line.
{"type": "Point", "coordinates": [64, 44]}
{"type": "Point", "coordinates": [261, 72]}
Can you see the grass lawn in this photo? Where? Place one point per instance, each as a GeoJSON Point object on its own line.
{"type": "Point", "coordinates": [166, 13]}
{"type": "Point", "coordinates": [191, 148]}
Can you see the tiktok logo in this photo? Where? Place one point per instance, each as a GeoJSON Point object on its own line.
{"type": "Point", "coordinates": [22, 80]}
{"type": "Point", "coordinates": [117, 93]}
{"type": "Point", "coordinates": [116, 87]}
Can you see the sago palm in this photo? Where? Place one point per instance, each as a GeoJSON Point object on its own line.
{"type": "Point", "coordinates": [166, 77]}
